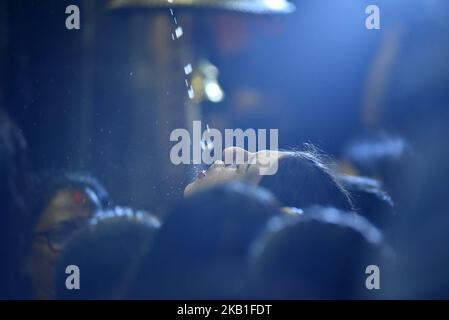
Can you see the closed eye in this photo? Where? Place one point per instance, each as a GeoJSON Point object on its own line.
{"type": "Point", "coordinates": [216, 164]}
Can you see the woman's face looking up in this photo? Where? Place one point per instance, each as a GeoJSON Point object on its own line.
{"type": "Point", "coordinates": [237, 164]}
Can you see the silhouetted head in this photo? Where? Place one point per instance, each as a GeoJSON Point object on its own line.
{"type": "Point", "coordinates": [202, 247]}
{"type": "Point", "coordinates": [321, 255]}
{"type": "Point", "coordinates": [108, 252]}
{"type": "Point", "coordinates": [378, 154]}
{"type": "Point", "coordinates": [370, 200]}
{"type": "Point", "coordinates": [13, 167]}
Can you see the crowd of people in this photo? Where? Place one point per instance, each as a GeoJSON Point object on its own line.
{"type": "Point", "coordinates": [310, 231]}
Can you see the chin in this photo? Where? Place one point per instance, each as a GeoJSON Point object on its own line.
{"type": "Point", "coordinates": [188, 189]}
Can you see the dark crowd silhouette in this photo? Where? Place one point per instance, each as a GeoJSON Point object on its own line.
{"type": "Point", "coordinates": [92, 207]}
{"type": "Point", "coordinates": [310, 231]}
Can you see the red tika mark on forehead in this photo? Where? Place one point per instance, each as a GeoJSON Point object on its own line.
{"type": "Point", "coordinates": [79, 197]}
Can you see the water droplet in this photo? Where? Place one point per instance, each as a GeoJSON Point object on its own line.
{"type": "Point", "coordinates": [178, 32]}
{"type": "Point", "coordinates": [191, 93]}
{"type": "Point", "coordinates": [188, 69]}
{"type": "Point", "coordinates": [210, 144]}
{"type": "Point", "coordinates": [203, 144]}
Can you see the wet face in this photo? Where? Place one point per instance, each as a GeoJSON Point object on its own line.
{"type": "Point", "coordinates": [66, 212]}
{"type": "Point", "coordinates": [237, 164]}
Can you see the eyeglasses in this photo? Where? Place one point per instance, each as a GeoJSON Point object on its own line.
{"type": "Point", "coordinates": [56, 238]}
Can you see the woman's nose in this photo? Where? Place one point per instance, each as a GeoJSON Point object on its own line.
{"type": "Point", "coordinates": [201, 174]}
{"type": "Point", "coordinates": [235, 155]}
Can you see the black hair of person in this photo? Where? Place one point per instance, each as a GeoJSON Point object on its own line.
{"type": "Point", "coordinates": [306, 178]}
{"type": "Point", "coordinates": [15, 181]}
{"type": "Point", "coordinates": [370, 200]}
{"type": "Point", "coordinates": [378, 153]}
{"type": "Point", "coordinates": [14, 168]}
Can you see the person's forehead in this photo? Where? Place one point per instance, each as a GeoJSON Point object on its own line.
{"type": "Point", "coordinates": [64, 206]}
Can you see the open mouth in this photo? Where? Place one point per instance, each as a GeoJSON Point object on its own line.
{"type": "Point", "coordinates": [201, 174]}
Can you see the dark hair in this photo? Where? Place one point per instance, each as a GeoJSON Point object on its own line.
{"type": "Point", "coordinates": [370, 200]}
{"type": "Point", "coordinates": [305, 178]}
{"type": "Point", "coordinates": [14, 171]}
{"type": "Point", "coordinates": [15, 179]}
{"type": "Point", "coordinates": [378, 153]}
{"type": "Point", "coordinates": [200, 252]}
{"type": "Point", "coordinates": [321, 255]}
{"type": "Point", "coordinates": [107, 252]}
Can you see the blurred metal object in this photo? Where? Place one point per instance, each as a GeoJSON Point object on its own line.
{"type": "Point", "coordinates": [245, 6]}
{"type": "Point", "coordinates": [205, 83]}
